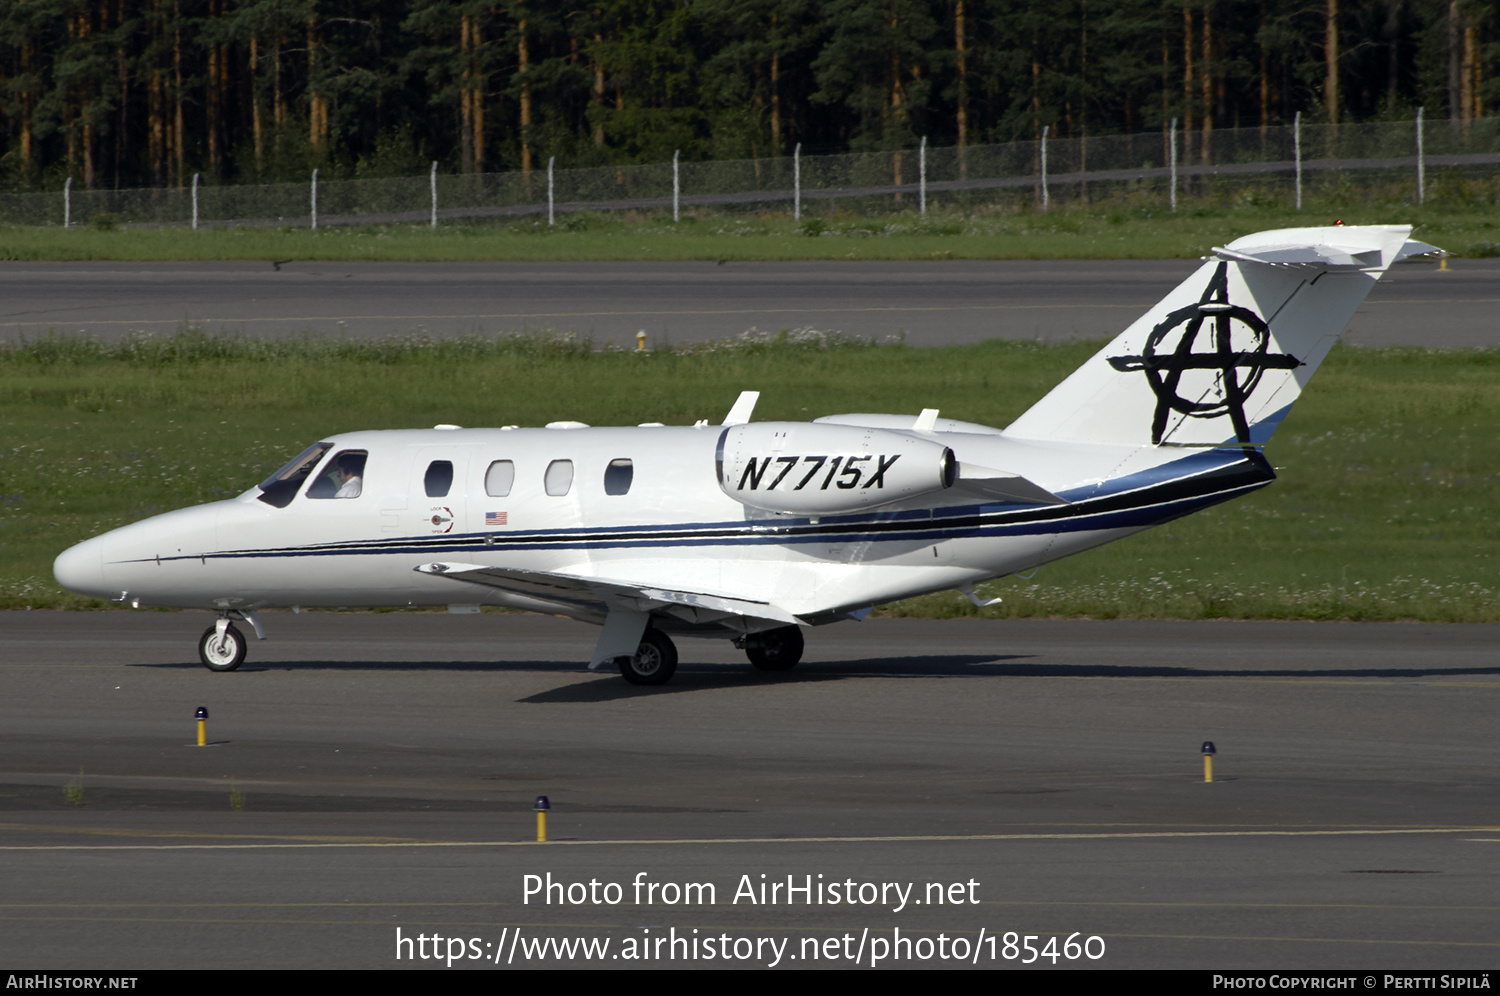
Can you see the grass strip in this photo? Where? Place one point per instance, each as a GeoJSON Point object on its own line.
{"type": "Point", "coordinates": [1386, 508]}
{"type": "Point", "coordinates": [1109, 231]}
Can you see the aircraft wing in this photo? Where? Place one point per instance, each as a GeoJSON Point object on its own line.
{"type": "Point", "coordinates": [602, 594]}
{"type": "Point", "coordinates": [985, 482]}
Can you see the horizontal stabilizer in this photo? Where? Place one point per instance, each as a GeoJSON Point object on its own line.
{"type": "Point", "coordinates": [1323, 257]}
{"type": "Point", "coordinates": [1419, 252]}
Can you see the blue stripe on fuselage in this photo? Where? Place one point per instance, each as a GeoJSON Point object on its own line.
{"type": "Point", "coordinates": [1105, 506]}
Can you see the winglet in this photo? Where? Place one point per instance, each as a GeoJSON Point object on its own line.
{"type": "Point", "coordinates": [744, 407]}
{"type": "Point", "coordinates": [927, 421]}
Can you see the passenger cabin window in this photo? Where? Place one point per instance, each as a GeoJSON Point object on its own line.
{"type": "Point", "coordinates": [344, 477]}
{"type": "Point", "coordinates": [499, 478]}
{"type": "Point", "coordinates": [617, 477]}
{"type": "Point", "coordinates": [439, 478]}
{"type": "Point", "coordinates": [559, 479]}
{"type": "Point", "coordinates": [280, 488]}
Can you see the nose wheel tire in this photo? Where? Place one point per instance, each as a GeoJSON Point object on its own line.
{"type": "Point", "coordinates": [776, 649]}
{"type": "Point", "coordinates": [222, 654]}
{"type": "Point", "coordinates": [654, 661]}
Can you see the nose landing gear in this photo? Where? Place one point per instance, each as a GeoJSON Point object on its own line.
{"type": "Point", "coordinates": [222, 646]}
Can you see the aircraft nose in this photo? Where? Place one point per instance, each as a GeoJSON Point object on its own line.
{"type": "Point", "coordinates": [80, 569]}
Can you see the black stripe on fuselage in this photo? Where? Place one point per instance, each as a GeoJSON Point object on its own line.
{"type": "Point", "coordinates": [1147, 505]}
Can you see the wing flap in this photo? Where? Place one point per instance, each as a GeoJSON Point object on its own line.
{"type": "Point", "coordinates": [601, 594]}
{"type": "Point", "coordinates": [987, 483]}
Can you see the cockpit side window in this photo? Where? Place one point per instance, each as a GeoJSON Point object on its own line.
{"type": "Point", "coordinates": [343, 478]}
{"type": "Point", "coordinates": [280, 488]}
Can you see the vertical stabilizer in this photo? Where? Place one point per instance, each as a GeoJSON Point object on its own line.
{"type": "Point", "coordinates": [1221, 358]}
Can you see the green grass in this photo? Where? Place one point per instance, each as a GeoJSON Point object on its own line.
{"type": "Point", "coordinates": [1100, 232]}
{"type": "Point", "coordinates": [1387, 507]}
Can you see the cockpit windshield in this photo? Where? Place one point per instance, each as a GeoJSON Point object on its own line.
{"type": "Point", "coordinates": [281, 487]}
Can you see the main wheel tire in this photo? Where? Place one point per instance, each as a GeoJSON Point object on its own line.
{"type": "Point", "coordinates": [654, 662]}
{"type": "Point", "coordinates": [222, 655]}
{"type": "Point", "coordinates": [775, 649]}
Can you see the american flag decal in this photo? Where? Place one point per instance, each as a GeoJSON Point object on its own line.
{"type": "Point", "coordinates": [494, 518]}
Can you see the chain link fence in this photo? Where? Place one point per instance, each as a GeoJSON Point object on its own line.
{"type": "Point", "coordinates": [1403, 160]}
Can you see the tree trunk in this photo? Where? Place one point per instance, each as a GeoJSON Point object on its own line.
{"type": "Point", "coordinates": [1187, 75]}
{"type": "Point", "coordinates": [961, 55]}
{"type": "Point", "coordinates": [897, 111]}
{"type": "Point", "coordinates": [157, 128]}
{"type": "Point", "coordinates": [1206, 84]}
{"type": "Point", "coordinates": [476, 95]}
{"type": "Point", "coordinates": [1083, 100]}
{"type": "Point", "coordinates": [776, 146]}
{"type": "Point", "coordinates": [1331, 58]}
{"type": "Point", "coordinates": [1468, 92]}
{"type": "Point", "coordinates": [178, 124]}
{"type": "Point", "coordinates": [257, 127]}
{"type": "Point", "coordinates": [1166, 104]}
{"type": "Point", "coordinates": [27, 102]}
{"type": "Point", "coordinates": [1265, 82]}
{"type": "Point", "coordinates": [85, 99]}
{"type": "Point", "coordinates": [465, 99]}
{"type": "Point", "coordinates": [523, 55]}
{"type": "Point", "coordinates": [278, 105]}
{"type": "Point", "coordinates": [599, 97]}
{"type": "Point", "coordinates": [317, 103]}
{"type": "Point", "coordinates": [1453, 86]}
{"type": "Point", "coordinates": [122, 121]}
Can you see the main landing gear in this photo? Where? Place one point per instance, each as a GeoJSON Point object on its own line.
{"type": "Point", "coordinates": [654, 661]}
{"type": "Point", "coordinates": [222, 646]}
{"type": "Point", "coordinates": [775, 649]}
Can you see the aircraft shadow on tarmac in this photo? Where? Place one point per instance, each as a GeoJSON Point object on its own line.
{"type": "Point", "coordinates": [605, 686]}
{"type": "Point", "coordinates": [691, 679]}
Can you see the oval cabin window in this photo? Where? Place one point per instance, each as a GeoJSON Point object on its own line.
{"type": "Point", "coordinates": [499, 478]}
{"type": "Point", "coordinates": [559, 479]}
{"type": "Point", "coordinates": [617, 477]}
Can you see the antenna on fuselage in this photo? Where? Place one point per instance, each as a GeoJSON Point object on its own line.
{"type": "Point", "coordinates": [744, 407]}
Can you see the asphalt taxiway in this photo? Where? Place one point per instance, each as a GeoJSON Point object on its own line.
{"type": "Point", "coordinates": [374, 772]}
{"type": "Point", "coordinates": [929, 303]}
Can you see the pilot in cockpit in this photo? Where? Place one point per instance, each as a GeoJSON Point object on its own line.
{"type": "Point", "coordinates": [343, 477]}
{"type": "Point", "coordinates": [347, 470]}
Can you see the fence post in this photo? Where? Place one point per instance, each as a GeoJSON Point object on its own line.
{"type": "Point", "coordinates": [797, 183]}
{"type": "Point", "coordinates": [1421, 163]}
{"type": "Point", "coordinates": [68, 203]}
{"type": "Point", "coordinates": [922, 176]}
{"type": "Point", "coordinates": [1045, 204]}
{"type": "Point", "coordinates": [1172, 154]}
{"type": "Point", "coordinates": [1297, 153]}
{"type": "Point", "coordinates": [676, 187]}
{"type": "Point", "coordinates": [433, 177]}
{"type": "Point", "coordinates": [315, 200]}
{"type": "Point", "coordinates": [550, 161]}
{"type": "Point", "coordinates": [195, 202]}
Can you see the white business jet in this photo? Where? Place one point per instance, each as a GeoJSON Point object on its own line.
{"type": "Point", "coordinates": [752, 531]}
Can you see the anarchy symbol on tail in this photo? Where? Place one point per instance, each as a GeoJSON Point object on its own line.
{"type": "Point", "coordinates": [1239, 370]}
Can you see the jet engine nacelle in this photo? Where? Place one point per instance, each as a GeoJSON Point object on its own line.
{"type": "Point", "coordinates": [818, 469]}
